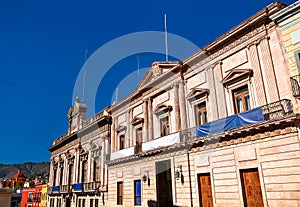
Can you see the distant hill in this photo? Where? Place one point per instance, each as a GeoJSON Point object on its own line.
{"type": "Point", "coordinates": [29, 169]}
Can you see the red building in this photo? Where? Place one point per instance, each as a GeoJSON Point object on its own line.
{"type": "Point", "coordinates": [31, 197]}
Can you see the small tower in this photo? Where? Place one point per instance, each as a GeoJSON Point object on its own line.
{"type": "Point", "coordinates": [76, 116]}
{"type": "Point", "coordinates": [18, 180]}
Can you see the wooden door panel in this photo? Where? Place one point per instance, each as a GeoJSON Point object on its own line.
{"type": "Point", "coordinates": [251, 188]}
{"type": "Point", "coordinates": [205, 192]}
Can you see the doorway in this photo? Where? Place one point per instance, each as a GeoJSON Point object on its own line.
{"type": "Point", "coordinates": [164, 183]}
{"type": "Point", "coordinates": [204, 189]}
{"type": "Point", "coordinates": [251, 188]}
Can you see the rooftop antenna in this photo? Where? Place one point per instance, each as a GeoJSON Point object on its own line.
{"type": "Point", "coordinates": [117, 91]}
{"type": "Point", "coordinates": [166, 38]}
{"type": "Point", "coordinates": [84, 75]}
{"type": "Point", "coordinates": [138, 65]}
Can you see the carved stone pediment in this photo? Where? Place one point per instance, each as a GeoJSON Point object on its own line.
{"type": "Point", "coordinates": [137, 120]}
{"type": "Point", "coordinates": [236, 75]}
{"type": "Point", "coordinates": [162, 108]}
{"type": "Point", "coordinates": [121, 128]}
{"type": "Point", "coordinates": [197, 93]}
{"type": "Point", "coordinates": [156, 70]}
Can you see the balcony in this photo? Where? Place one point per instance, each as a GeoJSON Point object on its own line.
{"type": "Point", "coordinates": [268, 112]}
{"type": "Point", "coordinates": [91, 186]}
{"type": "Point", "coordinates": [122, 153]}
{"type": "Point", "coordinates": [295, 82]}
{"type": "Point", "coordinates": [272, 111]}
{"type": "Point", "coordinates": [49, 190]}
{"type": "Point", "coordinates": [65, 188]}
{"type": "Point", "coordinates": [77, 187]}
{"type": "Point", "coordinates": [55, 189]}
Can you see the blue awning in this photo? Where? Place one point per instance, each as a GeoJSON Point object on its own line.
{"type": "Point", "coordinates": [77, 186]}
{"type": "Point", "coordinates": [55, 189]}
{"type": "Point", "coordinates": [231, 122]}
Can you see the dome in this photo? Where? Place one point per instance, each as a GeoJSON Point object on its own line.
{"type": "Point", "coordinates": [19, 174]}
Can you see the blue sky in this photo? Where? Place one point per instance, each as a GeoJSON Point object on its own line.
{"type": "Point", "coordinates": [42, 47]}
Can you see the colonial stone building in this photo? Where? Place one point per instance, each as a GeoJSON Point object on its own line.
{"type": "Point", "coordinates": [78, 174]}
{"type": "Point", "coordinates": [219, 128]}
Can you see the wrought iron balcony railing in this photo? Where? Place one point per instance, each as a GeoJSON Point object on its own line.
{"type": "Point", "coordinates": [270, 111]}
{"type": "Point", "coordinates": [49, 190]}
{"type": "Point", "coordinates": [295, 82]}
{"type": "Point", "coordinates": [91, 186]}
{"type": "Point", "coordinates": [65, 188]}
{"type": "Point", "coordinates": [267, 112]}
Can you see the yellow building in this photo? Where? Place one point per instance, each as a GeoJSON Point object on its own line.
{"type": "Point", "coordinates": [288, 20]}
{"type": "Point", "coordinates": [44, 196]}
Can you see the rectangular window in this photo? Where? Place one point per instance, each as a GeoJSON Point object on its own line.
{"type": "Point", "coordinates": [201, 114]}
{"type": "Point", "coordinates": [241, 99]}
{"type": "Point", "coordinates": [297, 56]}
{"type": "Point", "coordinates": [96, 203]}
{"type": "Point", "coordinates": [122, 141]}
{"type": "Point", "coordinates": [119, 193]}
{"type": "Point", "coordinates": [137, 193]}
{"type": "Point", "coordinates": [61, 176]}
{"type": "Point", "coordinates": [84, 171]}
{"type": "Point", "coordinates": [83, 203]}
{"type": "Point", "coordinates": [139, 139]}
{"type": "Point", "coordinates": [54, 177]}
{"type": "Point", "coordinates": [164, 126]}
{"type": "Point", "coordinates": [91, 203]}
{"type": "Point", "coordinates": [97, 169]}
{"type": "Point", "coordinates": [70, 176]}
{"type": "Point", "coordinates": [79, 203]}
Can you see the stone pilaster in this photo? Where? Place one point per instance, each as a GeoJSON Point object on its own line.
{"type": "Point", "coordinates": [128, 141]}
{"type": "Point", "coordinates": [213, 105]}
{"type": "Point", "coordinates": [150, 116]}
{"type": "Point", "coordinates": [220, 93]}
{"type": "Point", "coordinates": [269, 71]}
{"type": "Point", "coordinates": [146, 125]}
{"type": "Point", "coordinates": [257, 78]}
{"type": "Point", "coordinates": [176, 107]}
{"type": "Point", "coordinates": [182, 105]}
{"type": "Point", "coordinates": [113, 136]}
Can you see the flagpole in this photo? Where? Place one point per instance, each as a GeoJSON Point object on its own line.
{"type": "Point", "coordinates": [166, 38]}
{"type": "Point", "coordinates": [84, 76]}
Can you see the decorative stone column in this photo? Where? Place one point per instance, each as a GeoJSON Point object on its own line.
{"type": "Point", "coordinates": [182, 105]}
{"type": "Point", "coordinates": [113, 132]}
{"type": "Point", "coordinates": [176, 107]}
{"type": "Point", "coordinates": [146, 125]}
{"type": "Point", "coordinates": [150, 118]}
{"type": "Point", "coordinates": [257, 78]}
{"type": "Point", "coordinates": [76, 167]}
{"type": "Point", "coordinates": [269, 71]}
{"type": "Point", "coordinates": [128, 137]}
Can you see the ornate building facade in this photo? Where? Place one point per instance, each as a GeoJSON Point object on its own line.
{"type": "Point", "coordinates": [78, 173]}
{"type": "Point", "coordinates": [219, 128]}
